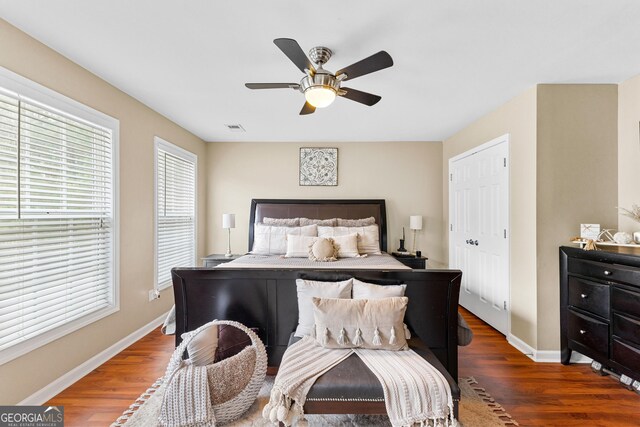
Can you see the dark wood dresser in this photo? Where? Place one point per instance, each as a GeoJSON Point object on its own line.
{"type": "Point", "coordinates": [600, 308]}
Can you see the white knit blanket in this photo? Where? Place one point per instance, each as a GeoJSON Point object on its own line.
{"type": "Point", "coordinates": [415, 393]}
{"type": "Point", "coordinates": [186, 402]}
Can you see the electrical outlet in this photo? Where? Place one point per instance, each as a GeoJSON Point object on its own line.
{"type": "Point", "coordinates": [154, 294]}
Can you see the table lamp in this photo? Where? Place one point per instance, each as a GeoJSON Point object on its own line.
{"type": "Point", "coordinates": [415, 224]}
{"type": "Point", "coordinates": [229, 222]}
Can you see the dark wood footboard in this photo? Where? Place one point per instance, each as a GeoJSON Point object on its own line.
{"type": "Point", "coordinates": [267, 300]}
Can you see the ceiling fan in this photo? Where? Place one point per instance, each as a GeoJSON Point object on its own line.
{"type": "Point", "coordinates": [320, 87]}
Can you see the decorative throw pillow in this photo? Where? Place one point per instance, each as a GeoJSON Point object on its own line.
{"type": "Point", "coordinates": [272, 239]}
{"type": "Point", "coordinates": [347, 245]}
{"type": "Point", "coordinates": [231, 341]}
{"type": "Point", "coordinates": [368, 236]}
{"type": "Point", "coordinates": [298, 246]}
{"type": "Point", "coordinates": [364, 290]}
{"type": "Point", "coordinates": [327, 222]}
{"type": "Point", "coordinates": [323, 250]}
{"type": "Point", "coordinates": [202, 348]}
{"type": "Point", "coordinates": [287, 222]}
{"type": "Point", "coordinates": [366, 323]}
{"type": "Point", "coordinates": [229, 377]}
{"type": "Point", "coordinates": [355, 222]}
{"type": "Point", "coordinates": [307, 289]}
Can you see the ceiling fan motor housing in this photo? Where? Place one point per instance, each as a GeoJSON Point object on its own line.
{"type": "Point", "coordinates": [321, 78]}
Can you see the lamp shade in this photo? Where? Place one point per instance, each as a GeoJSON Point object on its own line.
{"type": "Point", "coordinates": [228, 220]}
{"type": "Point", "coordinates": [415, 222]}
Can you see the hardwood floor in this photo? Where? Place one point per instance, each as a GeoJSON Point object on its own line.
{"type": "Point", "coordinates": [535, 394]}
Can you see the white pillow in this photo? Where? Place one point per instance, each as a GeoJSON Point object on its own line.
{"type": "Point", "coordinates": [368, 236]}
{"type": "Point", "coordinates": [347, 245]}
{"type": "Point", "coordinates": [307, 289]}
{"type": "Point", "coordinates": [202, 348]}
{"type": "Point", "coordinates": [364, 290]}
{"type": "Point", "coordinates": [298, 246]}
{"type": "Point", "coordinates": [272, 239]}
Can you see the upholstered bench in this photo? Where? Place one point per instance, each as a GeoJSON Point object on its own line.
{"type": "Point", "coordinates": [351, 388]}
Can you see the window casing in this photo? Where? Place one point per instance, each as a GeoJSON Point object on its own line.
{"type": "Point", "coordinates": [176, 171]}
{"type": "Point", "coordinates": [58, 225]}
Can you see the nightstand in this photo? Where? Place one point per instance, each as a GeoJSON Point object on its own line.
{"type": "Point", "coordinates": [217, 259]}
{"type": "Point", "coordinates": [413, 262]}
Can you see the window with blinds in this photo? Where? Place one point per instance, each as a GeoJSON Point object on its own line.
{"type": "Point", "coordinates": [56, 222]}
{"type": "Point", "coordinates": [175, 210]}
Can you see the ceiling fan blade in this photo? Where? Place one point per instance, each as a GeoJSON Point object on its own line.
{"type": "Point", "coordinates": [376, 62]}
{"type": "Point", "coordinates": [294, 52]}
{"type": "Point", "coordinates": [307, 109]}
{"type": "Point", "coordinates": [272, 85]}
{"type": "Point", "coordinates": [361, 97]}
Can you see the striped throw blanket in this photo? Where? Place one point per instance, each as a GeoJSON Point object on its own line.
{"type": "Point", "coordinates": [415, 393]}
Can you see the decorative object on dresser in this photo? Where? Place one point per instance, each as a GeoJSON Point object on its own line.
{"type": "Point", "coordinates": [590, 231]}
{"type": "Point", "coordinates": [415, 223]}
{"type": "Point", "coordinates": [600, 310]}
{"type": "Point", "coordinates": [229, 222]}
{"type": "Point", "coordinates": [401, 248]}
{"type": "Point", "coordinates": [318, 166]}
{"type": "Point", "coordinates": [213, 260]}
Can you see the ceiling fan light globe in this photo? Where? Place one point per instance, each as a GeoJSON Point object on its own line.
{"type": "Point", "coordinates": [320, 96]}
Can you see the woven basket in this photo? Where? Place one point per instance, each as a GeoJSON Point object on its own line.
{"type": "Point", "coordinates": [233, 408]}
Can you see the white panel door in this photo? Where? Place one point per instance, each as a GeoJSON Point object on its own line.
{"type": "Point", "coordinates": [478, 237]}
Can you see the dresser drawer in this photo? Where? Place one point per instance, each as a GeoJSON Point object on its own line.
{"type": "Point", "coordinates": [626, 328]}
{"type": "Point", "coordinates": [589, 332]}
{"type": "Point", "coordinates": [589, 296]}
{"type": "Point", "coordinates": [625, 301]}
{"type": "Point", "coordinates": [604, 271]}
{"type": "Point", "coordinates": [625, 354]}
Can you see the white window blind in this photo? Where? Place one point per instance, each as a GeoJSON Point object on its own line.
{"type": "Point", "coordinates": [56, 223]}
{"type": "Point", "coordinates": [176, 209]}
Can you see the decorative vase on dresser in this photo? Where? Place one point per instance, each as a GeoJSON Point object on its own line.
{"type": "Point", "coordinates": [600, 309]}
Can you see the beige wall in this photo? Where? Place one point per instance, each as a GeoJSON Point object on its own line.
{"type": "Point", "coordinates": [577, 175]}
{"type": "Point", "coordinates": [518, 119]}
{"type": "Point", "coordinates": [138, 125]}
{"type": "Point", "coordinates": [629, 150]}
{"type": "Point", "coordinates": [407, 174]}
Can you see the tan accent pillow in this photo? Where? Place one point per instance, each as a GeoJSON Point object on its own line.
{"type": "Point", "coordinates": [368, 236]}
{"type": "Point", "coordinates": [347, 323]}
{"type": "Point", "coordinates": [286, 222]}
{"type": "Point", "coordinates": [347, 245]}
{"type": "Point", "coordinates": [202, 348]}
{"type": "Point", "coordinates": [323, 250]}
{"type": "Point", "coordinates": [298, 246]}
{"type": "Point", "coordinates": [327, 222]}
{"type": "Point", "coordinates": [355, 222]}
{"type": "Point", "coordinates": [308, 289]}
{"type": "Point", "coordinates": [229, 377]}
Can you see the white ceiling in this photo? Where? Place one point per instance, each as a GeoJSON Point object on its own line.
{"type": "Point", "coordinates": [455, 60]}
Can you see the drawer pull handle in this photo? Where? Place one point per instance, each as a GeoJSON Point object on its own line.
{"type": "Point", "coordinates": [607, 273]}
{"type": "Point", "coordinates": [583, 296]}
{"type": "Point", "coordinates": [582, 332]}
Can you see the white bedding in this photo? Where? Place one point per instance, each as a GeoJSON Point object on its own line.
{"type": "Point", "coordinates": [370, 262]}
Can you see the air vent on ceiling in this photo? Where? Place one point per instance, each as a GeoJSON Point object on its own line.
{"type": "Point", "coordinates": [235, 128]}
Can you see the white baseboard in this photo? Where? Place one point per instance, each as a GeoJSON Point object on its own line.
{"type": "Point", "coordinates": [544, 356]}
{"type": "Point", "coordinates": [54, 388]}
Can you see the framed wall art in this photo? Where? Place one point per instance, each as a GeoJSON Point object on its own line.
{"type": "Point", "coordinates": [318, 166]}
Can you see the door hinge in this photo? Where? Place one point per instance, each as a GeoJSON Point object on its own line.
{"type": "Point", "coordinates": [505, 162]}
{"type": "Point", "coordinates": [451, 177]}
{"type": "Point", "coordinates": [451, 227]}
{"type": "Point", "coordinates": [505, 305]}
{"type": "Point", "coordinates": [505, 233]}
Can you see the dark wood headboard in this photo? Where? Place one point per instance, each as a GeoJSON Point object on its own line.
{"type": "Point", "coordinates": [320, 209]}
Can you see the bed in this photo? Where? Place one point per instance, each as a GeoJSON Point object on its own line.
{"type": "Point", "coordinates": [264, 297]}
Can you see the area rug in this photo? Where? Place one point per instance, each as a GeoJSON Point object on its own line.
{"type": "Point", "coordinates": [477, 409]}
